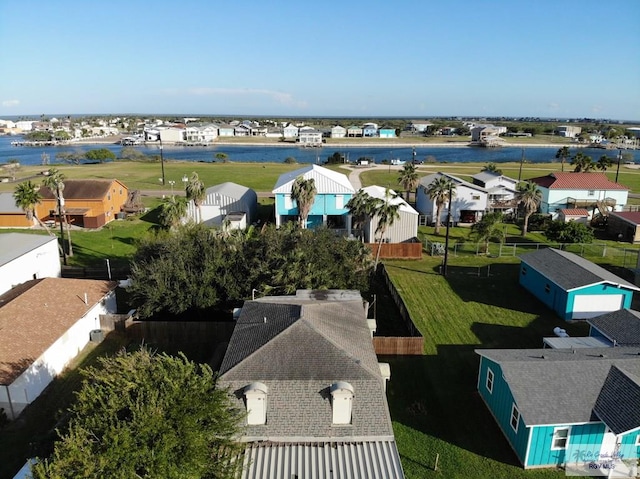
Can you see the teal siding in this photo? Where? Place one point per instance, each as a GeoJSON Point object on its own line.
{"type": "Point", "coordinates": [324, 204]}
{"type": "Point", "coordinates": [540, 452]}
{"type": "Point", "coordinates": [600, 289]}
{"type": "Point", "coordinates": [499, 403]}
{"type": "Point", "coordinates": [628, 448]}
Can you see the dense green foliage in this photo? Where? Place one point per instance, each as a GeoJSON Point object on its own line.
{"type": "Point", "coordinates": [100, 154]}
{"type": "Point", "coordinates": [146, 415]}
{"type": "Point", "coordinates": [571, 232]}
{"type": "Point", "coordinates": [487, 229]}
{"type": "Point", "coordinates": [195, 268]}
{"type": "Point", "coordinates": [529, 198]}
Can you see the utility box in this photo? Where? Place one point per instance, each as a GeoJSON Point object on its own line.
{"type": "Point", "coordinates": [96, 336]}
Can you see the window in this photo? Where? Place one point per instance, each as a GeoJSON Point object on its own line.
{"type": "Point", "coordinates": [515, 417]}
{"type": "Point", "coordinates": [591, 193]}
{"type": "Point", "coordinates": [547, 288]}
{"type": "Point", "coordinates": [339, 202]}
{"type": "Point", "coordinates": [489, 380]}
{"type": "Point", "coordinates": [560, 438]}
{"type": "Point", "coordinates": [288, 202]}
{"type": "Point", "coordinates": [475, 197]}
{"type": "Point", "coordinates": [638, 440]}
{"type": "Point", "coordinates": [524, 271]}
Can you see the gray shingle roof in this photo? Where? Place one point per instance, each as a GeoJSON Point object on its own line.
{"type": "Point", "coordinates": [563, 387]}
{"type": "Point", "coordinates": [618, 404]}
{"type": "Point", "coordinates": [570, 271]}
{"type": "Point", "coordinates": [622, 326]}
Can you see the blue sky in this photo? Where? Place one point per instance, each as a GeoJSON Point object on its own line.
{"type": "Point", "coordinates": [546, 58]}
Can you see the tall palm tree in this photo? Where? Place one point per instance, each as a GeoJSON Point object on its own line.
{"type": "Point", "coordinates": [438, 191]}
{"type": "Point", "coordinates": [562, 154]}
{"type": "Point", "coordinates": [55, 182]}
{"type": "Point", "coordinates": [409, 178]}
{"type": "Point", "coordinates": [196, 192]}
{"type": "Point", "coordinates": [27, 197]}
{"type": "Point", "coordinates": [304, 193]}
{"type": "Point", "coordinates": [172, 210]}
{"type": "Point", "coordinates": [362, 206]}
{"type": "Point", "coordinates": [582, 163]}
{"type": "Point", "coordinates": [529, 198]}
{"type": "Point", "coordinates": [387, 213]}
{"type": "Point", "coordinates": [603, 163]}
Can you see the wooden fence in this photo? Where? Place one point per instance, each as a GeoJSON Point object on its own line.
{"type": "Point", "coordinates": [385, 345]}
{"type": "Point", "coordinates": [397, 250]}
{"type": "Point", "coordinates": [95, 272]}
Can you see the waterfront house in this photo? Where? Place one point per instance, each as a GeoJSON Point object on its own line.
{"type": "Point", "coordinates": [338, 131]}
{"type": "Point", "coordinates": [290, 131]}
{"type": "Point", "coordinates": [501, 190]}
{"type": "Point", "coordinates": [45, 323]}
{"type": "Point", "coordinates": [619, 328]}
{"type": "Point", "coordinates": [369, 130]}
{"type": "Point", "coordinates": [24, 257]}
{"type": "Point", "coordinates": [623, 225]}
{"type": "Point", "coordinates": [568, 131]}
{"type": "Point", "coordinates": [329, 207]}
{"type": "Point", "coordinates": [386, 132]}
{"type": "Point", "coordinates": [172, 134]}
{"type": "Point", "coordinates": [591, 191]}
{"type": "Point", "coordinates": [419, 126]}
{"type": "Point", "coordinates": [354, 131]}
{"type": "Point", "coordinates": [223, 200]}
{"type": "Point", "coordinates": [309, 137]}
{"type": "Point", "coordinates": [304, 369]}
{"type": "Point", "coordinates": [573, 287]}
{"type": "Point", "coordinates": [487, 135]}
{"type": "Point", "coordinates": [226, 130]}
{"type": "Point", "coordinates": [468, 205]}
{"type": "Point", "coordinates": [201, 133]}
{"type": "Point", "coordinates": [87, 203]}
{"type": "Point", "coordinates": [565, 407]}
{"type": "Point", "coordinates": [405, 227]}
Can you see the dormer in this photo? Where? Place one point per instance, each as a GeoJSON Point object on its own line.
{"type": "Point", "coordinates": [341, 402]}
{"type": "Point", "coordinates": [256, 398]}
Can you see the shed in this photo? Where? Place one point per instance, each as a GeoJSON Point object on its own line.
{"type": "Point", "coordinates": [403, 230]}
{"type": "Point", "coordinates": [222, 200]}
{"type": "Point", "coordinates": [580, 215]}
{"type": "Point", "coordinates": [624, 225]}
{"type": "Point", "coordinates": [575, 288]}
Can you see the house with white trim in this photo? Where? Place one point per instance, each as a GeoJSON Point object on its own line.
{"type": "Point", "coordinates": [403, 230]}
{"type": "Point", "coordinates": [224, 200]}
{"type": "Point", "coordinates": [468, 205]}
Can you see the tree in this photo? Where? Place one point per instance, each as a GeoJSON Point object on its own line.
{"type": "Point", "coordinates": [290, 160]}
{"type": "Point", "coordinates": [439, 190]}
{"type": "Point", "coordinates": [603, 163]}
{"type": "Point", "coordinates": [55, 182]}
{"type": "Point", "coordinates": [147, 415]}
{"type": "Point", "coordinates": [172, 210]}
{"type": "Point", "coordinates": [27, 197]}
{"type": "Point", "coordinates": [529, 198]}
{"type": "Point", "coordinates": [196, 192]}
{"type": "Point", "coordinates": [362, 207]}
{"type": "Point", "coordinates": [582, 163]}
{"type": "Point", "coordinates": [386, 213]}
{"type": "Point", "coordinates": [571, 232]}
{"type": "Point", "coordinates": [223, 157]}
{"type": "Point", "coordinates": [100, 154]}
{"type": "Point", "coordinates": [491, 168]}
{"type": "Point", "coordinates": [562, 154]}
{"type": "Point", "coordinates": [487, 229]}
{"type": "Point", "coordinates": [409, 178]}
{"type": "Point", "coordinates": [303, 192]}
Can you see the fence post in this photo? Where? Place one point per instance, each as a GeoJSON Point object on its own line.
{"type": "Point", "coordinates": [604, 250]}
{"type": "Point", "coordinates": [514, 249]}
{"type": "Point", "coordinates": [500, 251]}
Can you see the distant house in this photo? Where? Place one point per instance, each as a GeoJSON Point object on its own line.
{"type": "Point", "coordinates": [290, 131]}
{"type": "Point", "coordinates": [304, 369]}
{"type": "Point", "coordinates": [329, 207]}
{"type": "Point", "coordinates": [338, 131]}
{"type": "Point", "coordinates": [201, 133]}
{"type": "Point", "coordinates": [223, 200]}
{"type": "Point", "coordinates": [619, 328]}
{"type": "Point", "coordinates": [226, 130]}
{"type": "Point", "coordinates": [572, 286]}
{"type": "Point", "coordinates": [404, 229]}
{"type": "Point", "coordinates": [385, 132]}
{"type": "Point", "coordinates": [419, 126]}
{"type": "Point", "coordinates": [469, 200]}
{"type": "Point", "coordinates": [567, 215]}
{"type": "Point", "coordinates": [87, 203]}
{"type": "Point", "coordinates": [24, 257]}
{"type": "Point", "coordinates": [571, 407]}
{"type": "Point", "coordinates": [623, 225]}
{"type": "Point", "coordinates": [242, 130]}
{"type": "Point", "coordinates": [309, 137]}
{"type": "Point", "coordinates": [501, 190]}
{"type": "Point", "coordinates": [369, 130]}
{"type": "Point", "coordinates": [487, 134]}
{"type": "Point", "coordinates": [568, 131]}
{"type": "Point", "coordinates": [172, 134]}
{"type": "Point", "coordinates": [354, 131]}
{"type": "Point", "coordinates": [591, 191]}
{"type": "Point", "coordinates": [45, 323]}
{"type": "Point", "coordinates": [12, 216]}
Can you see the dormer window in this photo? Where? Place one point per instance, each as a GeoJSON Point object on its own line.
{"type": "Point", "coordinates": [256, 398]}
{"type": "Point", "coordinates": [341, 402]}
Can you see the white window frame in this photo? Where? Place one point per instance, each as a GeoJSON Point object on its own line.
{"type": "Point", "coordinates": [515, 414]}
{"type": "Point", "coordinates": [556, 430]}
{"type": "Point", "coordinates": [490, 379]}
{"type": "Point", "coordinates": [339, 202]}
{"type": "Point", "coordinates": [288, 202]}
{"type": "Point", "coordinates": [638, 440]}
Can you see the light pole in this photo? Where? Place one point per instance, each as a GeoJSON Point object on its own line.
{"type": "Point", "coordinates": [619, 159]}
{"type": "Point", "coordinates": [161, 159]}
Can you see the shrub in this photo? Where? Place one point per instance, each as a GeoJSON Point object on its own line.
{"type": "Point", "coordinates": [571, 232]}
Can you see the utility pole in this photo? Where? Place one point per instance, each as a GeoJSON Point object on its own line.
{"type": "Point", "coordinates": [60, 212]}
{"type": "Point", "coordinates": [161, 159]}
{"type": "Point", "coordinates": [619, 159]}
{"type": "Point", "coordinates": [446, 238]}
{"type": "Point", "coordinates": [520, 171]}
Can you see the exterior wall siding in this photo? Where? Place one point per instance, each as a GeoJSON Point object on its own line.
{"type": "Point", "coordinates": [499, 403]}
{"type": "Point", "coordinates": [403, 229]}
{"type": "Point", "coordinates": [41, 262]}
{"type": "Point", "coordinates": [541, 453]}
{"type": "Point", "coordinates": [555, 298]}
{"type": "Point", "coordinates": [628, 444]}
{"type": "Point", "coordinates": [324, 204]}
{"type": "Point", "coordinates": [553, 199]}
{"type": "Point", "coordinates": [599, 289]}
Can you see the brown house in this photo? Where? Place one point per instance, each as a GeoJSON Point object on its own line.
{"type": "Point", "coordinates": [87, 203]}
{"type": "Point", "coordinates": [624, 225]}
{"type": "Point", "coordinates": [11, 216]}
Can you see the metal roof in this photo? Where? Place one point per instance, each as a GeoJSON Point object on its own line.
{"type": "Point", "coordinates": [569, 343]}
{"type": "Point", "coordinates": [379, 192]}
{"type": "Point", "coordinates": [232, 190]}
{"type": "Point", "coordinates": [326, 180]}
{"type": "Point", "coordinates": [369, 459]}
{"type": "Point", "coordinates": [577, 181]}
{"type": "Point", "coordinates": [427, 180]}
{"type": "Point", "coordinates": [15, 245]}
{"type": "Point", "coordinates": [8, 204]}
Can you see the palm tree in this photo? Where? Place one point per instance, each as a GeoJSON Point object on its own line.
{"type": "Point", "coordinates": [582, 163]}
{"type": "Point", "coordinates": [438, 191]}
{"type": "Point", "coordinates": [196, 192]}
{"type": "Point", "coordinates": [491, 168]}
{"type": "Point", "coordinates": [27, 197]}
{"type": "Point", "coordinates": [529, 197]}
{"type": "Point", "coordinates": [386, 213]}
{"type": "Point", "coordinates": [304, 193]}
{"type": "Point", "coordinates": [603, 163]}
{"type": "Point", "coordinates": [562, 154]}
{"type": "Point", "coordinates": [488, 228]}
{"type": "Point", "coordinates": [55, 182]}
{"type": "Point", "coordinates": [362, 207]}
{"type": "Point", "coordinates": [409, 178]}
{"type": "Point", "coordinates": [172, 210]}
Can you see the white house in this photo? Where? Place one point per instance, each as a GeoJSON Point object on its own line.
{"type": "Point", "coordinates": [43, 329]}
{"type": "Point", "coordinates": [419, 126]}
{"type": "Point", "coordinates": [568, 131]}
{"type": "Point", "coordinates": [223, 200]}
{"type": "Point", "coordinates": [27, 256]}
{"type": "Point", "coordinates": [501, 190]}
{"type": "Point", "coordinates": [404, 229]}
{"type": "Point", "coordinates": [174, 134]}
{"type": "Point", "coordinates": [591, 191]}
{"type": "Point", "coordinates": [202, 133]}
{"type": "Point", "coordinates": [310, 137]}
{"type": "Point", "coordinates": [338, 132]}
{"type": "Point", "coordinates": [290, 131]}
{"type": "Point", "coordinates": [469, 200]}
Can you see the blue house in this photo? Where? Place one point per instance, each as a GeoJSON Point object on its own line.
{"type": "Point", "coordinates": [570, 407]}
{"type": "Point", "coordinates": [572, 286]}
{"type": "Point", "coordinates": [386, 132]}
{"type": "Point", "coordinates": [619, 328]}
{"type": "Point", "coordinates": [334, 190]}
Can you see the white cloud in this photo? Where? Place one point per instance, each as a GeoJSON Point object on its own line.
{"type": "Point", "coordinates": [10, 103]}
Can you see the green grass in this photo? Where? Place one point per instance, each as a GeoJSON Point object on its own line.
{"type": "Point", "coordinates": [433, 399]}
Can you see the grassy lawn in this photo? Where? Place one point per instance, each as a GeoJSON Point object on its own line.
{"type": "Point", "coordinates": [433, 399]}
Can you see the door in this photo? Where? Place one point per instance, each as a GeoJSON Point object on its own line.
{"type": "Point", "coordinates": [591, 305]}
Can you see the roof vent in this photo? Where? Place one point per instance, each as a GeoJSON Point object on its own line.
{"type": "Point", "coordinates": [264, 320]}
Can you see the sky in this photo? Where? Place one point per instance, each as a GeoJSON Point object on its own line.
{"type": "Point", "coordinates": [415, 58]}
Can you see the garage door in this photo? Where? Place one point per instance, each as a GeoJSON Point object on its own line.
{"type": "Point", "coordinates": [591, 305]}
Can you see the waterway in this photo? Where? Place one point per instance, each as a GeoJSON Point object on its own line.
{"type": "Point", "coordinates": [32, 155]}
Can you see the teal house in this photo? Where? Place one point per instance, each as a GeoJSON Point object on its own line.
{"type": "Point", "coordinates": [573, 287]}
{"type": "Point", "coordinates": [334, 190]}
{"type": "Point", "coordinates": [565, 407]}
